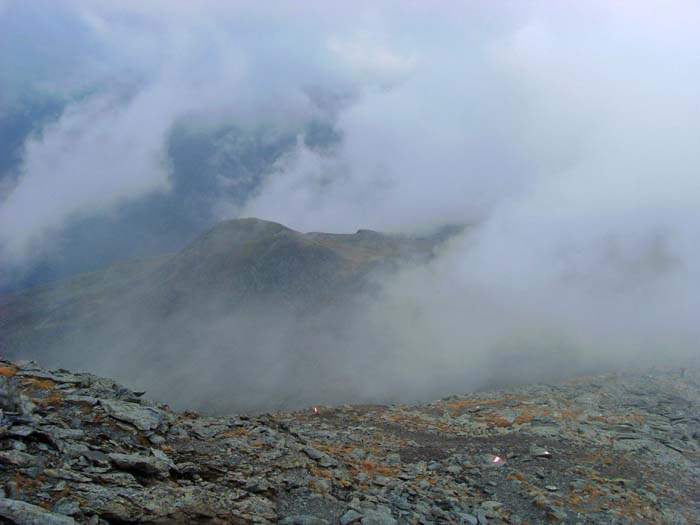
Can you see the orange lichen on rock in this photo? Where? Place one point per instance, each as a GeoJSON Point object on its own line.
{"type": "Point", "coordinates": [25, 484]}
{"type": "Point", "coordinates": [461, 404]}
{"type": "Point", "coordinates": [236, 433]}
{"type": "Point", "coordinates": [334, 450]}
{"type": "Point", "coordinates": [529, 412]}
{"type": "Point", "coordinates": [595, 498]}
{"type": "Point", "coordinates": [516, 476]}
{"type": "Point", "coordinates": [43, 392]}
{"type": "Point", "coordinates": [8, 371]}
{"type": "Point", "coordinates": [526, 414]}
{"type": "Point", "coordinates": [574, 500]}
{"type": "Point", "coordinates": [53, 399]}
{"type": "Point", "coordinates": [492, 420]}
{"type": "Point", "coordinates": [524, 418]}
{"type": "Point", "coordinates": [373, 469]}
{"type": "Point", "coordinates": [320, 473]}
{"type": "Point", "coordinates": [41, 384]}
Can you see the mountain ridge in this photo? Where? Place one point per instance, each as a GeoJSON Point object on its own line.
{"type": "Point", "coordinates": [249, 296]}
{"type": "Point", "coordinates": [230, 245]}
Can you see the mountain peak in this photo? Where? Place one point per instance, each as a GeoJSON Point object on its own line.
{"type": "Point", "coordinates": [246, 229]}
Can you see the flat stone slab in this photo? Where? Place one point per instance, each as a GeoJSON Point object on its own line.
{"type": "Point", "coordinates": [140, 463]}
{"type": "Point", "coordinates": [143, 418]}
{"type": "Point", "coordinates": [22, 513]}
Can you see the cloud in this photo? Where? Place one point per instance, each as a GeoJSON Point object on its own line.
{"type": "Point", "coordinates": [566, 135]}
{"type": "Point", "coordinates": [136, 71]}
{"type": "Point", "coordinates": [58, 180]}
{"type": "Point", "coordinates": [571, 146]}
{"type": "Point", "coordinates": [370, 62]}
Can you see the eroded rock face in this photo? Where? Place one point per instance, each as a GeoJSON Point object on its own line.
{"type": "Point", "coordinates": [75, 448]}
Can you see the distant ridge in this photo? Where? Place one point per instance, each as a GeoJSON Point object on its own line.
{"type": "Point", "coordinates": [242, 288]}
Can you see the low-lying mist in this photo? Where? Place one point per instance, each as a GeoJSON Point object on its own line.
{"type": "Point", "coordinates": [462, 321]}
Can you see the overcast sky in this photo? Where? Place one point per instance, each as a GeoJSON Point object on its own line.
{"type": "Point", "coordinates": [567, 130]}
{"type": "Point", "coordinates": [447, 111]}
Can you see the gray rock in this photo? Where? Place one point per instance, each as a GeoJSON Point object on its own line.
{"type": "Point", "coordinates": [540, 452]}
{"type": "Point", "coordinates": [313, 453]}
{"type": "Point", "coordinates": [65, 433]}
{"type": "Point", "coordinates": [247, 469]}
{"type": "Point", "coordinates": [67, 507]}
{"type": "Point", "coordinates": [71, 449]}
{"type": "Point", "coordinates": [327, 462]}
{"type": "Point", "coordinates": [143, 418]}
{"type": "Point", "coordinates": [69, 475]}
{"type": "Point", "coordinates": [155, 439]}
{"type": "Point", "coordinates": [379, 516]}
{"type": "Point", "coordinates": [18, 445]}
{"type": "Point", "coordinates": [141, 464]}
{"type": "Point", "coordinates": [56, 377]}
{"type": "Point", "coordinates": [468, 519]}
{"type": "Point", "coordinates": [10, 398]}
{"type": "Point", "coordinates": [491, 505]}
{"type": "Point", "coordinates": [96, 457]}
{"type": "Point", "coordinates": [75, 398]}
{"type": "Point", "coordinates": [351, 516]}
{"type": "Point", "coordinates": [122, 479]}
{"type": "Point", "coordinates": [256, 506]}
{"type": "Point", "coordinates": [22, 513]}
{"type": "Point", "coordinates": [21, 431]}
{"type": "Point", "coordinates": [303, 519]}
{"type": "Point", "coordinates": [159, 454]}
{"type": "Point", "coordinates": [358, 454]}
{"type": "Point", "coordinates": [17, 458]}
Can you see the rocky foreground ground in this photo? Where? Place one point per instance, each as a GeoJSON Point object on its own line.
{"type": "Point", "coordinates": [625, 448]}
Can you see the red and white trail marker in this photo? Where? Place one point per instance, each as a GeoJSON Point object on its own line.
{"type": "Point", "coordinates": [496, 459]}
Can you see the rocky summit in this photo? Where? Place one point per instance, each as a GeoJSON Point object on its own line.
{"type": "Point", "coordinates": [621, 448]}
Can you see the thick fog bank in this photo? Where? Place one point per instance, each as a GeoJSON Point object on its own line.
{"type": "Point", "coordinates": [567, 133]}
{"type": "Point", "coordinates": [424, 332]}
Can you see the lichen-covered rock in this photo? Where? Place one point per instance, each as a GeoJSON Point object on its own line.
{"type": "Point", "coordinates": [141, 464]}
{"type": "Point", "coordinates": [22, 513]}
{"type": "Point", "coordinates": [611, 449]}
